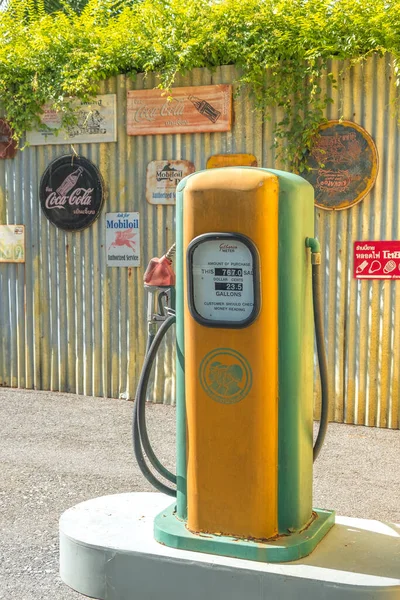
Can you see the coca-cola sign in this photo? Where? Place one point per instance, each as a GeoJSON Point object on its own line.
{"type": "Point", "coordinates": [185, 110]}
{"type": "Point", "coordinates": [71, 192]}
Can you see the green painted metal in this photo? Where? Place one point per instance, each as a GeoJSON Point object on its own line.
{"type": "Point", "coordinates": [296, 353]}
{"type": "Point", "coordinates": [313, 244]}
{"type": "Point", "coordinates": [171, 531]}
{"type": "Point", "coordinates": [181, 477]}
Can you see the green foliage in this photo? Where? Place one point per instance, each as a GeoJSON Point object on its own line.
{"type": "Point", "coordinates": [54, 5]}
{"type": "Point", "coordinates": [281, 47]}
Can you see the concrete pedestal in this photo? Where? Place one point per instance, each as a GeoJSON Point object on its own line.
{"type": "Point", "coordinates": [107, 551]}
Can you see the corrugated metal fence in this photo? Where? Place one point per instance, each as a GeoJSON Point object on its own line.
{"type": "Point", "coordinates": [69, 323]}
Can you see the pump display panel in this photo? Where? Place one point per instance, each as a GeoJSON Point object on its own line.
{"type": "Point", "coordinates": [223, 280]}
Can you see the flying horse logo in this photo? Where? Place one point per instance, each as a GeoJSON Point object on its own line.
{"type": "Point", "coordinates": [124, 238]}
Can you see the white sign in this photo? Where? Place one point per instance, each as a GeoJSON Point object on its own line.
{"type": "Point", "coordinates": [123, 239]}
{"type": "Point", "coordinates": [12, 243]}
{"type": "Point", "coordinates": [96, 122]}
{"type": "Point", "coordinates": [223, 287]}
{"type": "Point", "coordinates": [162, 178]}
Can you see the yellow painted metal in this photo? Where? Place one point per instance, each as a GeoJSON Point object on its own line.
{"type": "Point", "coordinates": [228, 491]}
{"type": "Point", "coordinates": [231, 160]}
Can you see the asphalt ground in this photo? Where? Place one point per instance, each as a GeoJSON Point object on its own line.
{"type": "Point", "coordinates": [57, 450]}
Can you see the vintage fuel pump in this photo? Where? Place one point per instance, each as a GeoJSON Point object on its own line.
{"type": "Point", "coordinates": [246, 282]}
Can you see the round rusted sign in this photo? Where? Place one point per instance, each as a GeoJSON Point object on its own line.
{"type": "Point", "coordinates": [343, 165]}
{"type": "Point", "coordinates": [8, 146]}
{"type": "Point", "coordinates": [71, 192]}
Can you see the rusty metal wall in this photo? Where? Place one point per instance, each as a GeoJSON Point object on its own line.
{"type": "Point", "coordinates": [362, 320]}
{"type": "Point", "coordinates": [69, 323]}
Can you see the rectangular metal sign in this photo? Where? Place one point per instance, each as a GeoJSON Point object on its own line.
{"type": "Point", "coordinates": [96, 122]}
{"type": "Point", "coordinates": [183, 110]}
{"type": "Point", "coordinates": [231, 160]}
{"type": "Point", "coordinates": [123, 239]}
{"type": "Point", "coordinates": [377, 259]}
{"type": "Point", "coordinates": [12, 243]}
{"type": "Point", "coordinates": [162, 178]}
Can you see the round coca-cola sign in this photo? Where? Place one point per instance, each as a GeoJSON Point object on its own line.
{"type": "Point", "coordinates": [71, 192]}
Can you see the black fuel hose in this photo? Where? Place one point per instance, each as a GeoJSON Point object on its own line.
{"type": "Point", "coordinates": [161, 305]}
{"type": "Point", "coordinates": [322, 362]}
{"type": "Point", "coordinates": [140, 436]}
{"type": "Point", "coordinates": [141, 442]}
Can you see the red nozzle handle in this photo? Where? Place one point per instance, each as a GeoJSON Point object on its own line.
{"type": "Point", "coordinates": [159, 273]}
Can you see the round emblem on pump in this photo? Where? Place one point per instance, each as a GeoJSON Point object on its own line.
{"type": "Point", "coordinates": [225, 375]}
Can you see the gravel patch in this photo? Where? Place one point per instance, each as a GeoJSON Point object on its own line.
{"type": "Point", "coordinates": [59, 449]}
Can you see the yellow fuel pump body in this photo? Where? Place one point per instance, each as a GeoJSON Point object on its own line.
{"type": "Point", "coordinates": [245, 354]}
{"type": "Point", "coordinates": [233, 449]}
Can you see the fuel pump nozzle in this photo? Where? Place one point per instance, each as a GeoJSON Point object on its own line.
{"type": "Point", "coordinates": [159, 272]}
{"type": "Point", "coordinates": [159, 282]}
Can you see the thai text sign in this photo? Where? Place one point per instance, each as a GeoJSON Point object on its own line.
{"type": "Point", "coordinates": [162, 178]}
{"type": "Point", "coordinates": [12, 243]}
{"type": "Point", "coordinates": [95, 122]}
{"type": "Point", "coordinates": [377, 260]}
{"type": "Point", "coordinates": [184, 110]}
{"type": "Point", "coordinates": [123, 239]}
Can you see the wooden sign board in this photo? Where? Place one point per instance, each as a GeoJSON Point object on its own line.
{"type": "Point", "coordinates": [12, 243]}
{"type": "Point", "coordinates": [185, 110]}
{"type": "Point", "coordinates": [162, 178]}
{"type": "Point", "coordinates": [96, 122]}
{"type": "Point", "coordinates": [231, 160]}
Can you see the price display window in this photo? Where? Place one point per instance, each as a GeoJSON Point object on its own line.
{"type": "Point", "coordinates": [223, 279]}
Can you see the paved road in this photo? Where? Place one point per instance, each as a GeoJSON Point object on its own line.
{"type": "Point", "coordinates": [58, 449]}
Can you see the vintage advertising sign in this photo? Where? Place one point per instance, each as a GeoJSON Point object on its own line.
{"type": "Point", "coordinates": [96, 122]}
{"type": "Point", "coordinates": [12, 243]}
{"type": "Point", "coordinates": [343, 165]}
{"type": "Point", "coordinates": [71, 192]}
{"type": "Point", "coordinates": [8, 146]}
{"type": "Point", "coordinates": [123, 239]}
{"type": "Point", "coordinates": [162, 178]}
{"type": "Point", "coordinates": [231, 160]}
{"type": "Point", "coordinates": [377, 259]}
{"type": "Point", "coordinates": [183, 110]}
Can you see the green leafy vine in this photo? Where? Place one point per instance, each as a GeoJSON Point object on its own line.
{"type": "Point", "coordinates": [281, 49]}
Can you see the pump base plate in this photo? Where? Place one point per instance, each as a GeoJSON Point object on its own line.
{"type": "Point", "coordinates": [108, 551]}
{"type": "Point", "coordinates": [171, 531]}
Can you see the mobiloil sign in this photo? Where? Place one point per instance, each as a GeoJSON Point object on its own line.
{"type": "Point", "coordinates": [247, 268]}
{"type": "Point", "coordinates": [123, 239]}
